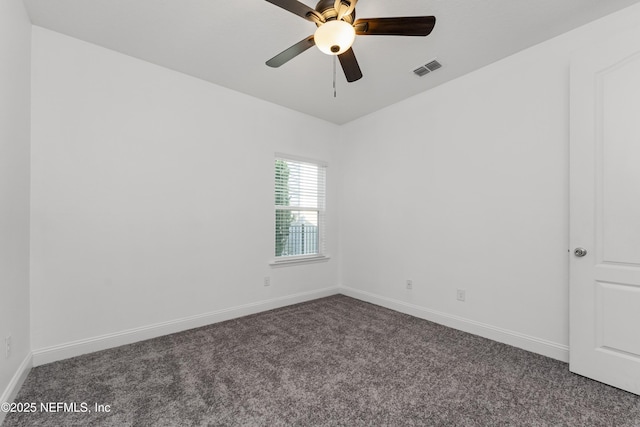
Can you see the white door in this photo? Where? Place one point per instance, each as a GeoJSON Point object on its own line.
{"type": "Point", "coordinates": [605, 212]}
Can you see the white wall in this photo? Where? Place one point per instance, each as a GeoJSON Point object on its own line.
{"type": "Point", "coordinates": [466, 187]}
{"type": "Point", "coordinates": [152, 199]}
{"type": "Point", "coordinates": [15, 48]}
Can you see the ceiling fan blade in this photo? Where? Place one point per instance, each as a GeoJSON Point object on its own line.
{"type": "Point", "coordinates": [297, 8]}
{"type": "Point", "coordinates": [292, 52]}
{"type": "Point", "coordinates": [407, 26]}
{"type": "Point", "coordinates": [350, 66]}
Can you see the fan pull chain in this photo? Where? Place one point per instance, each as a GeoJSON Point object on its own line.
{"type": "Point", "coordinates": [334, 75]}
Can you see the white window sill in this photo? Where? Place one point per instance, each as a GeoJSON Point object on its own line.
{"type": "Point", "coordinates": [289, 261]}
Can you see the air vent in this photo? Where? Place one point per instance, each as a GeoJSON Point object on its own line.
{"type": "Point", "coordinates": [427, 68]}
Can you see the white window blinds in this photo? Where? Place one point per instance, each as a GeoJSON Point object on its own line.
{"type": "Point", "coordinates": [299, 207]}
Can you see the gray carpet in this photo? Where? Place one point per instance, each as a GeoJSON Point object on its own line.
{"type": "Point", "coordinates": [331, 362]}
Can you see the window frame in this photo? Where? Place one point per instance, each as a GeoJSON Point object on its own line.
{"type": "Point", "coordinates": [321, 210]}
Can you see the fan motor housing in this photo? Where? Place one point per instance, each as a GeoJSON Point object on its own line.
{"type": "Point", "coordinates": [325, 8]}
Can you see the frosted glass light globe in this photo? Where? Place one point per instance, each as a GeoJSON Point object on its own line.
{"type": "Point", "coordinates": [334, 37]}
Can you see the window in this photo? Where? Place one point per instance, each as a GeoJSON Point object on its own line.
{"type": "Point", "coordinates": [299, 208]}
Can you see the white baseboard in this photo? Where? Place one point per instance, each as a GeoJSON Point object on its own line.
{"type": "Point", "coordinates": [516, 339]}
{"type": "Point", "coordinates": [16, 382]}
{"type": "Point", "coordinates": [103, 342]}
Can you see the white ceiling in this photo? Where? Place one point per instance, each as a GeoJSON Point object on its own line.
{"type": "Point", "coordinates": [228, 42]}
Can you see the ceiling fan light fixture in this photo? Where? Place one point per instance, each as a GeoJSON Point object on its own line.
{"type": "Point", "coordinates": [334, 37]}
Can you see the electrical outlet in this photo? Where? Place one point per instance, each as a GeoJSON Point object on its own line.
{"type": "Point", "coordinates": [7, 346]}
{"type": "Point", "coordinates": [409, 284]}
{"type": "Point", "coordinates": [461, 295]}
{"type": "Point", "coordinates": [267, 281]}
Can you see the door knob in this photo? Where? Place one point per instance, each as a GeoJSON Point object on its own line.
{"type": "Point", "coordinates": [580, 252]}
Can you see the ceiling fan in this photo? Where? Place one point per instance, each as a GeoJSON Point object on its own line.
{"type": "Point", "coordinates": [337, 29]}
